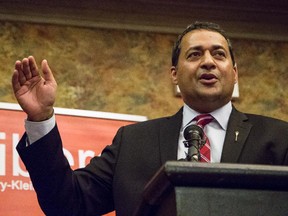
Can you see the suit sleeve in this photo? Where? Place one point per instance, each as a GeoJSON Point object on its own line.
{"type": "Point", "coordinates": [61, 191]}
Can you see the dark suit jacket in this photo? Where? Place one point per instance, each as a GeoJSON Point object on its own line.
{"type": "Point", "coordinates": [117, 178]}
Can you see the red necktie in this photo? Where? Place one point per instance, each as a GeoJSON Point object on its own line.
{"type": "Point", "coordinates": [201, 121]}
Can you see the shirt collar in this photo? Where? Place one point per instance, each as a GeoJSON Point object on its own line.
{"type": "Point", "coordinates": [221, 115]}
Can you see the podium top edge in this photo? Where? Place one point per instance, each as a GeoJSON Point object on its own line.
{"type": "Point", "coordinates": [224, 167]}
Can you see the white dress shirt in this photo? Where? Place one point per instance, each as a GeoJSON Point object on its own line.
{"type": "Point", "coordinates": [215, 130]}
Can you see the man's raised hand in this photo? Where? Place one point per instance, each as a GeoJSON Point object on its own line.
{"type": "Point", "coordinates": [35, 93]}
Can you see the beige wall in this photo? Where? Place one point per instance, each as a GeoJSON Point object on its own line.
{"type": "Point", "coordinates": [128, 72]}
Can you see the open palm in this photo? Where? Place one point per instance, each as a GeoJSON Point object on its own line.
{"type": "Point", "coordinates": [34, 93]}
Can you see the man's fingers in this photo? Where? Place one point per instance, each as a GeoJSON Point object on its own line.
{"type": "Point", "coordinates": [47, 73]}
{"type": "Point", "coordinates": [26, 68]}
{"type": "Point", "coordinates": [18, 65]}
{"type": "Point", "coordinates": [15, 81]}
{"type": "Point", "coordinates": [26, 71]}
{"type": "Point", "coordinates": [33, 66]}
{"type": "Point", "coordinates": [20, 75]}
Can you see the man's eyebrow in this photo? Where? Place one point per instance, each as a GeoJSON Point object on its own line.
{"type": "Point", "coordinates": [218, 47]}
{"type": "Point", "coordinates": [198, 48]}
{"type": "Point", "coordinates": [195, 48]}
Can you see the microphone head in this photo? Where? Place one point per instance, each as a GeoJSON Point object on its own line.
{"type": "Point", "coordinates": [193, 130]}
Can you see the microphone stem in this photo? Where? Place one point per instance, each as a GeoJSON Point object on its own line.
{"type": "Point", "coordinates": [193, 154]}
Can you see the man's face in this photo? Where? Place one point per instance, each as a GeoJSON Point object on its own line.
{"type": "Point", "coordinates": [205, 73]}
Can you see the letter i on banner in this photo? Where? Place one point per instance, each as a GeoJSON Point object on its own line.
{"type": "Point", "coordinates": [2, 155]}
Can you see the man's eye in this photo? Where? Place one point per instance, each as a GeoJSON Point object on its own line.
{"type": "Point", "coordinates": [219, 54]}
{"type": "Point", "coordinates": [193, 55]}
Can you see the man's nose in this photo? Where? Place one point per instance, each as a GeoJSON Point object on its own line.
{"type": "Point", "coordinates": [207, 61]}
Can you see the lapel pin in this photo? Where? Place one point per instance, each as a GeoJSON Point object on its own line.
{"type": "Point", "coordinates": [236, 135]}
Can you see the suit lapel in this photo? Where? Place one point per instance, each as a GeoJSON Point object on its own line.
{"type": "Point", "coordinates": [169, 135]}
{"type": "Point", "coordinates": [237, 132]}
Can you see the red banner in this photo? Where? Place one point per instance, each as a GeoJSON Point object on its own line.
{"type": "Point", "coordinates": [84, 135]}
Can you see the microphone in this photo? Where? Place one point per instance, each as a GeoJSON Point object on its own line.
{"type": "Point", "coordinates": [193, 135]}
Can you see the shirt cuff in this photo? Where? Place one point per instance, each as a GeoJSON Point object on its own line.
{"type": "Point", "coordinates": [37, 130]}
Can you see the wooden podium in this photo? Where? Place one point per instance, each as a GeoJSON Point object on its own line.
{"type": "Point", "coordinates": [193, 189]}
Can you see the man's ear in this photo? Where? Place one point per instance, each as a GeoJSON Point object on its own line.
{"type": "Point", "coordinates": [235, 70]}
{"type": "Point", "coordinates": [174, 75]}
